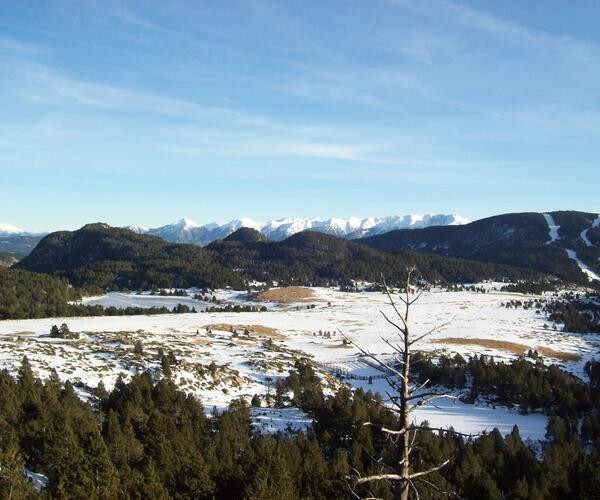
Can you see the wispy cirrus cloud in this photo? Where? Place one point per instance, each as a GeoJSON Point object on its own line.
{"type": "Point", "coordinates": [223, 131]}
{"type": "Point", "coordinates": [506, 30]}
{"type": "Point", "coordinates": [18, 46]}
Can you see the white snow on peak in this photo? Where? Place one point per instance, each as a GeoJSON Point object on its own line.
{"type": "Point", "coordinates": [138, 229]}
{"type": "Point", "coordinates": [234, 225]}
{"type": "Point", "coordinates": [552, 228]}
{"type": "Point", "coordinates": [10, 229]}
{"type": "Point", "coordinates": [186, 223]}
{"type": "Point", "coordinates": [188, 231]}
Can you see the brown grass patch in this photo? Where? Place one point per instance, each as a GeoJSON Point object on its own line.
{"type": "Point", "coordinates": [551, 353]}
{"type": "Point", "coordinates": [504, 345]}
{"type": "Point", "coordinates": [265, 331]}
{"type": "Point", "coordinates": [286, 295]}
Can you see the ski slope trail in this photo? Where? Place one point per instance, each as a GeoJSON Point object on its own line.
{"type": "Point", "coordinates": [584, 233]}
{"type": "Point", "coordinates": [591, 274]}
{"type": "Point", "coordinates": [552, 228]}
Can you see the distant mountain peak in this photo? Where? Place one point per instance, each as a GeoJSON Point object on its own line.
{"type": "Point", "coordinates": [187, 231]}
{"type": "Point", "coordinates": [186, 223]}
{"type": "Point", "coordinates": [10, 229]}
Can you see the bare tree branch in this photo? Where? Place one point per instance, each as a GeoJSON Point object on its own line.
{"type": "Point", "coordinates": [407, 399]}
{"type": "Point", "coordinates": [429, 471]}
{"type": "Point", "coordinates": [402, 330]}
{"type": "Point", "coordinates": [429, 400]}
{"type": "Point", "coordinates": [433, 330]}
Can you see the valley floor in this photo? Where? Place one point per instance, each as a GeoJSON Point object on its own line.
{"type": "Point", "coordinates": [222, 356]}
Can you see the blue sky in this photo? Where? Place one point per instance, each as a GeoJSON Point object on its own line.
{"type": "Point", "coordinates": [145, 112]}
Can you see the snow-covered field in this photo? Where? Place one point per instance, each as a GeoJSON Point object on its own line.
{"type": "Point", "coordinates": [222, 356]}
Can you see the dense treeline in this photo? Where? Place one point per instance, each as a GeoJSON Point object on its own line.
{"type": "Point", "coordinates": [580, 314]}
{"type": "Point", "coordinates": [146, 439]}
{"type": "Point", "coordinates": [532, 287]}
{"type": "Point", "coordinates": [531, 386]}
{"type": "Point", "coordinates": [24, 294]}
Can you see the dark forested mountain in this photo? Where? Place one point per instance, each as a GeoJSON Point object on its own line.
{"type": "Point", "coordinates": [101, 256]}
{"type": "Point", "coordinates": [521, 239]}
{"type": "Point", "coordinates": [316, 258]}
{"type": "Point", "coordinates": [98, 255]}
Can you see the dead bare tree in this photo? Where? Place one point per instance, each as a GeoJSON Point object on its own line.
{"type": "Point", "coordinates": [407, 396]}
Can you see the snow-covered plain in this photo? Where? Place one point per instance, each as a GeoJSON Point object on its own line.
{"type": "Point", "coordinates": [223, 356]}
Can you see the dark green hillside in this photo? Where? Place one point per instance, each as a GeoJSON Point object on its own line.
{"type": "Point", "coordinates": [32, 295]}
{"type": "Point", "coordinates": [317, 258]}
{"type": "Point", "coordinates": [98, 255]}
{"type": "Point", "coordinates": [520, 240]}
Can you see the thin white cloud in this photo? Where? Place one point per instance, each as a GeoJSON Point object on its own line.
{"type": "Point", "coordinates": [506, 30]}
{"type": "Point", "coordinates": [12, 45]}
{"type": "Point", "coordinates": [228, 130]}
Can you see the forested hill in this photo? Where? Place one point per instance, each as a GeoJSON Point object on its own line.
{"type": "Point", "coordinates": [316, 258]}
{"type": "Point", "coordinates": [520, 239]}
{"type": "Point", "coordinates": [24, 294]}
{"type": "Point", "coordinates": [101, 256]}
{"type": "Point", "coordinates": [98, 255]}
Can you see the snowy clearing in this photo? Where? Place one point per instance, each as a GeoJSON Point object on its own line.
{"type": "Point", "coordinates": [223, 356]}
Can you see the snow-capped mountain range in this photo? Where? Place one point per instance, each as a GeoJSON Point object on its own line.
{"type": "Point", "coordinates": [187, 231]}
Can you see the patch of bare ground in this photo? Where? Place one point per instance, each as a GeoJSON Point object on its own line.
{"type": "Point", "coordinates": [286, 295]}
{"type": "Point", "coordinates": [265, 331]}
{"type": "Point", "coordinates": [504, 345]}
